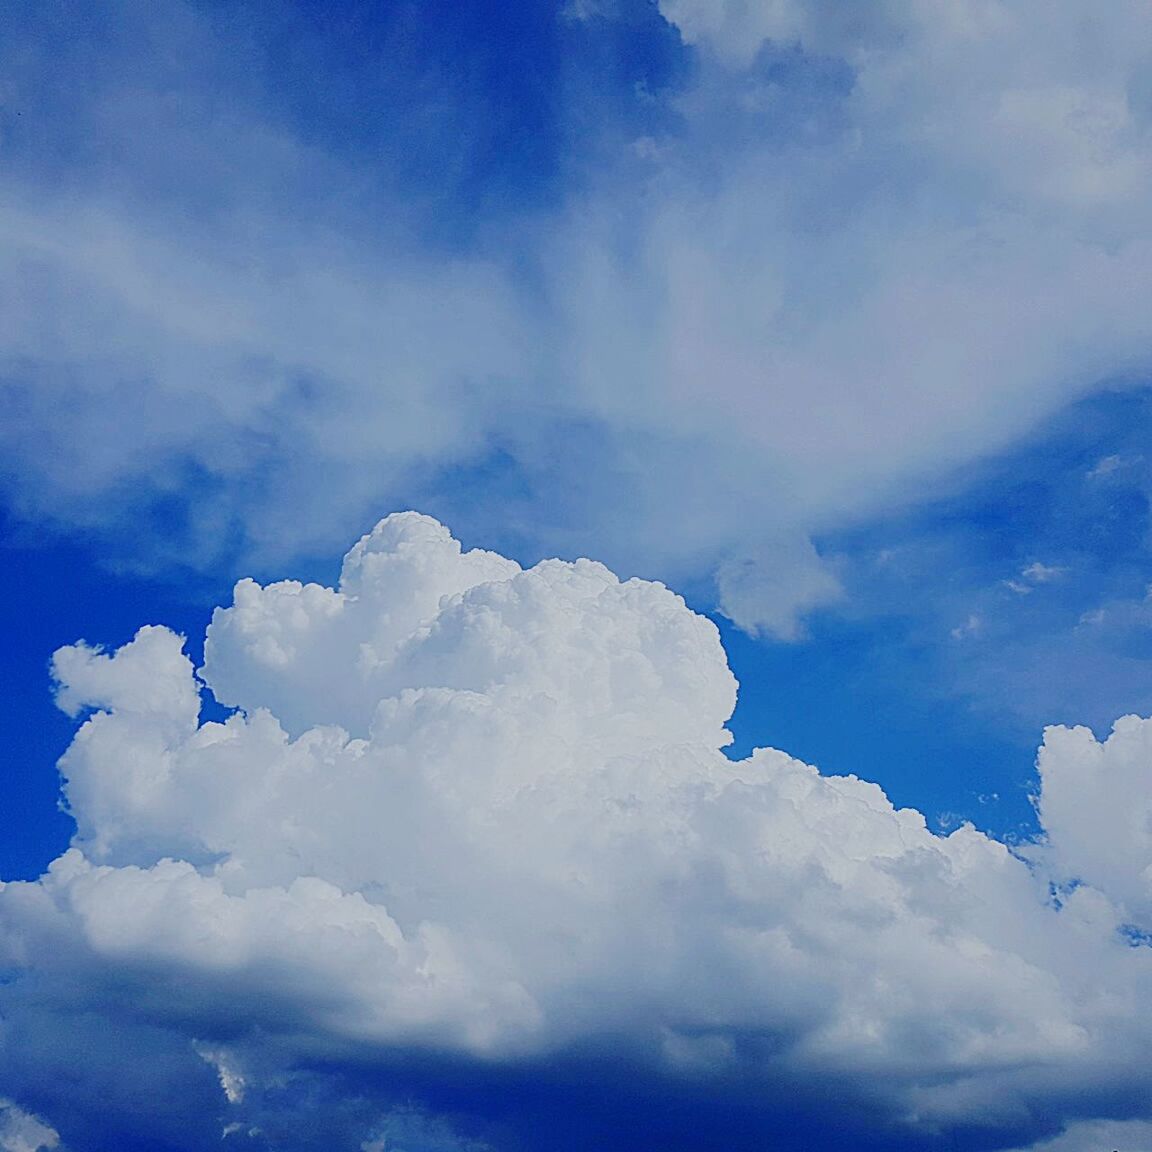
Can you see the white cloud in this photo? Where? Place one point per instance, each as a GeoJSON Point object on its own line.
{"type": "Point", "coordinates": [232, 1079]}
{"type": "Point", "coordinates": [496, 822]}
{"type": "Point", "coordinates": [1096, 804]}
{"type": "Point", "coordinates": [770, 591]}
{"type": "Point", "coordinates": [846, 269]}
{"type": "Point", "coordinates": [409, 1130]}
{"type": "Point", "coordinates": [369, 364]}
{"type": "Point", "coordinates": [1100, 1136]}
{"type": "Point", "coordinates": [735, 29]}
{"type": "Point", "coordinates": [391, 585]}
{"type": "Point", "coordinates": [22, 1132]}
{"type": "Point", "coordinates": [1039, 573]}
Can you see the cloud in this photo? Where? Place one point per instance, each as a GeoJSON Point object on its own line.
{"type": "Point", "coordinates": [1096, 803]}
{"type": "Point", "coordinates": [771, 591]}
{"type": "Point", "coordinates": [786, 271]}
{"type": "Point", "coordinates": [22, 1132]}
{"type": "Point", "coordinates": [478, 818]}
{"type": "Point", "coordinates": [1130, 1135]}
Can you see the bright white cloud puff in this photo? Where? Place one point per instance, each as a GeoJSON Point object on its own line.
{"type": "Point", "coordinates": [475, 811]}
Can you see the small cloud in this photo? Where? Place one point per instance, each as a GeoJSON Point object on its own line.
{"type": "Point", "coordinates": [648, 148]}
{"type": "Point", "coordinates": [579, 11]}
{"type": "Point", "coordinates": [232, 1079]}
{"type": "Point", "coordinates": [1110, 464]}
{"type": "Point", "coordinates": [768, 590]}
{"type": "Point", "coordinates": [20, 1131]}
{"type": "Point", "coordinates": [1035, 573]}
{"type": "Point", "coordinates": [1039, 573]}
{"type": "Point", "coordinates": [973, 626]}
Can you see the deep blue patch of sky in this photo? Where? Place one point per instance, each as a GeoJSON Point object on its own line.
{"type": "Point", "coordinates": [1032, 582]}
{"type": "Point", "coordinates": [478, 112]}
{"type": "Point", "coordinates": [852, 701]}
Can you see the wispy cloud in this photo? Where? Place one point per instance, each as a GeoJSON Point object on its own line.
{"type": "Point", "coordinates": [786, 270]}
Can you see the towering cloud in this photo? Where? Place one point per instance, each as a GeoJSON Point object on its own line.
{"type": "Point", "coordinates": [1096, 803]}
{"type": "Point", "coordinates": [469, 822]}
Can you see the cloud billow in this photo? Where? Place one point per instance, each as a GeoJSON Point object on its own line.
{"type": "Point", "coordinates": [478, 817]}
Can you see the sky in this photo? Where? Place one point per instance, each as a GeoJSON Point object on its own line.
{"type": "Point", "coordinates": [575, 575]}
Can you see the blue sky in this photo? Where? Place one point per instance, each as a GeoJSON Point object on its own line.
{"type": "Point", "coordinates": [830, 318]}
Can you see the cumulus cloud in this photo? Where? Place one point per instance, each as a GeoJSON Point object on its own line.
{"type": "Point", "coordinates": [840, 252]}
{"type": "Point", "coordinates": [1096, 803]}
{"type": "Point", "coordinates": [478, 814]}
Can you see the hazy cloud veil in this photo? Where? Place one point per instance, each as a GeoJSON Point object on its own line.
{"type": "Point", "coordinates": [832, 252]}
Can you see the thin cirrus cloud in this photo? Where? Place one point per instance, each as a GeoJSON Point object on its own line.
{"type": "Point", "coordinates": [797, 266]}
{"type": "Point", "coordinates": [472, 826]}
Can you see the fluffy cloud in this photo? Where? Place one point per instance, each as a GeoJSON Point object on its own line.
{"type": "Point", "coordinates": [1096, 803]}
{"type": "Point", "coordinates": [478, 814]}
{"type": "Point", "coordinates": [843, 252]}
